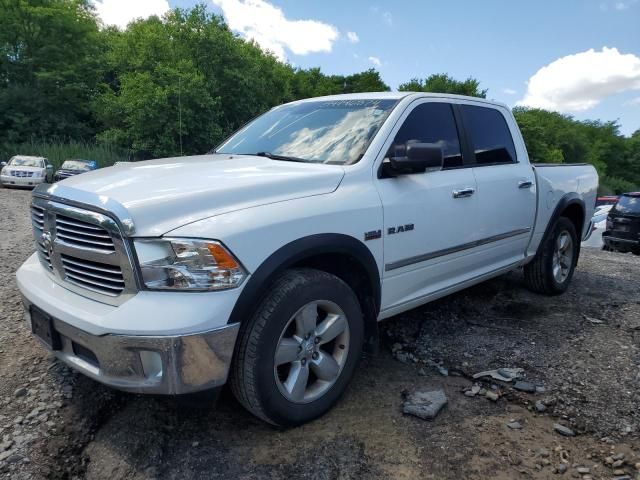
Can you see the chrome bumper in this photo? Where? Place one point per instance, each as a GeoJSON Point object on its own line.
{"type": "Point", "coordinates": [168, 365]}
{"type": "Point", "coordinates": [21, 181]}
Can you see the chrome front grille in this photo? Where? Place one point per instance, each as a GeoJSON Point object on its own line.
{"type": "Point", "coordinates": [37, 218]}
{"type": "Point", "coordinates": [83, 234]}
{"type": "Point", "coordinates": [37, 221]}
{"type": "Point", "coordinates": [83, 250]}
{"type": "Point", "coordinates": [21, 174]}
{"type": "Point", "coordinates": [45, 258]}
{"type": "Point", "coordinates": [94, 276]}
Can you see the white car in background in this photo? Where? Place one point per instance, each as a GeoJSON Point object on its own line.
{"type": "Point", "coordinates": [26, 171]}
{"type": "Point", "coordinates": [598, 225]}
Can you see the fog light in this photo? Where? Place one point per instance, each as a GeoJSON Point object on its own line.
{"type": "Point", "coordinates": [151, 365]}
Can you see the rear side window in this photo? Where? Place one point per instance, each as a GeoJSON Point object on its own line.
{"type": "Point", "coordinates": [433, 122]}
{"type": "Point", "coordinates": [489, 134]}
{"type": "Point", "coordinates": [628, 204]}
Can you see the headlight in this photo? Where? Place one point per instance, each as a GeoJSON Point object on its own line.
{"type": "Point", "coordinates": [187, 264]}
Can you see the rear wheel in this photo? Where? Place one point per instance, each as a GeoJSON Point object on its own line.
{"type": "Point", "coordinates": [551, 270]}
{"type": "Point", "coordinates": [295, 357]}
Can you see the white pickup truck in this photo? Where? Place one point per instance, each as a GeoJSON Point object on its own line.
{"type": "Point", "coordinates": [270, 261]}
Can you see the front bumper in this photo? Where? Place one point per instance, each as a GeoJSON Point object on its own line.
{"type": "Point", "coordinates": [168, 365]}
{"type": "Point", "coordinates": [21, 181]}
{"type": "Point", "coordinates": [155, 342]}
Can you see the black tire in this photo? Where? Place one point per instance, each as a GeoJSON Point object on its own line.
{"type": "Point", "coordinates": [538, 274]}
{"type": "Point", "coordinates": [252, 372]}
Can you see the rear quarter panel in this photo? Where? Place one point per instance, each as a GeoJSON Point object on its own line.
{"type": "Point", "coordinates": [555, 182]}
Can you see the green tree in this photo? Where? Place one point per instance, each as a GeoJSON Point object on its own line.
{"type": "Point", "coordinates": [552, 137]}
{"type": "Point", "coordinates": [443, 83]}
{"type": "Point", "coordinates": [181, 83]}
{"type": "Point", "coordinates": [49, 68]}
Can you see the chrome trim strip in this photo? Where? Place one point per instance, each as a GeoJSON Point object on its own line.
{"type": "Point", "coordinates": [88, 201]}
{"type": "Point", "coordinates": [448, 251]}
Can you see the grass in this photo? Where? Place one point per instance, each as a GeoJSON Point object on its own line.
{"type": "Point", "coordinates": [59, 151]}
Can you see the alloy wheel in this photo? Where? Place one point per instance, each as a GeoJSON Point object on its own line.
{"type": "Point", "coordinates": [562, 257]}
{"type": "Point", "coordinates": [311, 351]}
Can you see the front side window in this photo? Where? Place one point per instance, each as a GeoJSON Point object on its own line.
{"type": "Point", "coordinates": [26, 162]}
{"type": "Point", "coordinates": [490, 136]}
{"type": "Point", "coordinates": [334, 132]}
{"type": "Point", "coordinates": [628, 205]}
{"type": "Point", "coordinates": [433, 122]}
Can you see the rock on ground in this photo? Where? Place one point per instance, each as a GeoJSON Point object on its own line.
{"type": "Point", "coordinates": [424, 404]}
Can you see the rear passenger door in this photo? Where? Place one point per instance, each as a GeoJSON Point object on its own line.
{"type": "Point", "coordinates": [506, 191]}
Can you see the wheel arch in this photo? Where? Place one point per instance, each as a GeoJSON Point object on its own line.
{"type": "Point", "coordinates": [572, 207]}
{"type": "Point", "coordinates": [341, 255]}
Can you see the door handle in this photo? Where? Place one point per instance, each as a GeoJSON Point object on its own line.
{"type": "Point", "coordinates": [465, 192]}
{"type": "Point", "coordinates": [525, 184]}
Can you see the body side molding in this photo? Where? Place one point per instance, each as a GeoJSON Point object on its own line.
{"type": "Point", "coordinates": [448, 251]}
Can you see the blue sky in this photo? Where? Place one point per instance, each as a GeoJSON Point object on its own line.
{"type": "Point", "coordinates": [502, 43]}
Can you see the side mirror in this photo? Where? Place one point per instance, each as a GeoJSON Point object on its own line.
{"type": "Point", "coordinates": [49, 167]}
{"type": "Point", "coordinates": [413, 158]}
{"type": "Point", "coordinates": [3, 164]}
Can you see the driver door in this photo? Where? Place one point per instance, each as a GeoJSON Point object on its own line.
{"type": "Point", "coordinates": [430, 218]}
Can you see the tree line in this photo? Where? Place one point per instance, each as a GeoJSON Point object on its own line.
{"type": "Point", "coordinates": [178, 85]}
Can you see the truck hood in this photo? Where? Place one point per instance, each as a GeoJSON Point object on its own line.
{"type": "Point", "coordinates": [156, 196]}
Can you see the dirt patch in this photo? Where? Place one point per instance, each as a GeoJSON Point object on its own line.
{"type": "Point", "coordinates": [55, 423]}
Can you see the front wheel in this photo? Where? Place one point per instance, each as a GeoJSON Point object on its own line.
{"type": "Point", "coordinates": [295, 357]}
{"type": "Point", "coordinates": [551, 270]}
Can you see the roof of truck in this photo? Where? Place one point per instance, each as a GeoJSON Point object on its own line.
{"type": "Point", "coordinates": [399, 96]}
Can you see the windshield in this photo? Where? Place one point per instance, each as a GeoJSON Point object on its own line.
{"type": "Point", "coordinates": [628, 204]}
{"type": "Point", "coordinates": [26, 162]}
{"type": "Point", "coordinates": [82, 165]}
{"type": "Point", "coordinates": [336, 132]}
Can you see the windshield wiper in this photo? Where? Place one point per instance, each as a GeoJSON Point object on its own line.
{"type": "Point", "coordinates": [286, 158]}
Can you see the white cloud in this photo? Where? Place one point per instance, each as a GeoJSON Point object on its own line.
{"type": "Point", "coordinates": [509, 91]}
{"type": "Point", "coordinates": [385, 15]}
{"type": "Point", "coordinates": [121, 12]}
{"type": "Point", "coordinates": [579, 82]}
{"type": "Point", "coordinates": [624, 5]}
{"type": "Point", "coordinates": [376, 61]}
{"type": "Point", "coordinates": [618, 5]}
{"type": "Point", "coordinates": [634, 102]}
{"type": "Point", "coordinates": [266, 24]}
{"type": "Point", "coordinates": [353, 37]}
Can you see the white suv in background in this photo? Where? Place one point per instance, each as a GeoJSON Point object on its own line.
{"type": "Point", "coordinates": [26, 171]}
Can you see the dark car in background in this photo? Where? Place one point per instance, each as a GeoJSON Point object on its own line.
{"type": "Point", "coordinates": [74, 167]}
{"type": "Point", "coordinates": [623, 225]}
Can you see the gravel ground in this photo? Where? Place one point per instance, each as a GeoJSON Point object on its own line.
{"type": "Point", "coordinates": [581, 350]}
